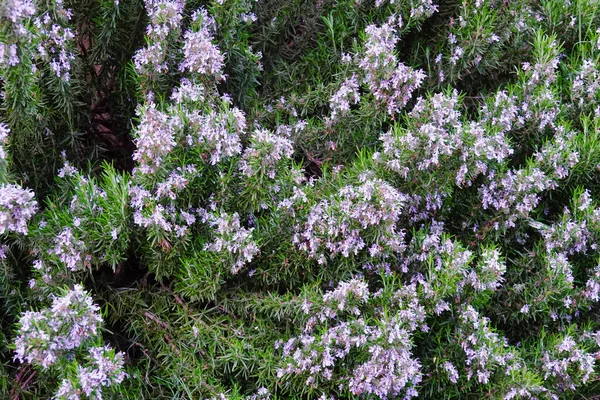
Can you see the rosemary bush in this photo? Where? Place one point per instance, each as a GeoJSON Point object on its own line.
{"type": "Point", "coordinates": [288, 199]}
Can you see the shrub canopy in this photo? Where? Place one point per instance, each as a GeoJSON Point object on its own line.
{"type": "Point", "coordinates": [288, 199]}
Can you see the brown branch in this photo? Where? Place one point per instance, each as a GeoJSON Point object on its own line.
{"type": "Point", "coordinates": [22, 385]}
{"type": "Point", "coordinates": [156, 320]}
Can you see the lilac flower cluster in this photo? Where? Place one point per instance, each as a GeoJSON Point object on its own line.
{"type": "Point", "coordinates": [154, 138]}
{"type": "Point", "coordinates": [592, 286]}
{"type": "Point", "coordinates": [157, 218]}
{"type": "Point", "coordinates": [346, 95]}
{"type": "Point", "coordinates": [201, 56]}
{"type": "Point", "coordinates": [188, 92]}
{"type": "Point", "coordinates": [176, 182]}
{"type": "Point", "coordinates": [67, 170]}
{"type": "Point", "coordinates": [558, 156]}
{"type": "Point", "coordinates": [217, 133]}
{"type": "Point", "coordinates": [43, 336]}
{"type": "Point", "coordinates": [567, 236]}
{"type": "Point", "coordinates": [515, 194]}
{"type": "Point", "coordinates": [391, 82]}
{"type": "Point", "coordinates": [502, 114]}
{"type": "Point", "coordinates": [70, 250]}
{"type": "Point", "coordinates": [8, 55]}
{"type": "Point", "coordinates": [591, 216]}
{"type": "Point", "coordinates": [450, 268]}
{"type": "Point", "coordinates": [18, 11]}
{"type": "Point", "coordinates": [489, 135]}
{"type": "Point", "coordinates": [55, 44]}
{"type": "Point", "coordinates": [586, 85]}
{"type": "Point", "coordinates": [451, 370]}
{"type": "Point", "coordinates": [105, 369]}
{"type": "Point", "coordinates": [540, 103]}
{"type": "Point", "coordinates": [48, 33]}
{"type": "Point", "coordinates": [490, 271]}
{"type": "Point", "coordinates": [417, 8]}
{"type": "Point", "coordinates": [421, 8]}
{"type": "Point", "coordinates": [390, 369]}
{"type": "Point", "coordinates": [544, 71]}
{"type": "Point", "coordinates": [150, 213]}
{"type": "Point", "coordinates": [355, 290]}
{"type": "Point", "coordinates": [299, 198]}
{"type": "Point", "coordinates": [569, 364]}
{"type": "Point", "coordinates": [165, 22]}
{"type": "Point", "coordinates": [484, 349]}
{"type": "Point", "coordinates": [265, 153]}
{"type": "Point", "coordinates": [335, 344]}
{"type": "Point", "coordinates": [437, 137]}
{"type": "Point", "coordinates": [261, 394]}
{"type": "Point", "coordinates": [44, 271]}
{"type": "Point", "coordinates": [212, 135]}
{"type": "Point", "coordinates": [422, 208]}
{"type": "Point", "coordinates": [429, 242]}
{"type": "Point", "coordinates": [530, 392]}
{"type": "Point", "coordinates": [389, 372]}
{"type": "Point", "coordinates": [575, 233]}
{"type": "Point", "coordinates": [355, 218]}
{"type": "Point", "coordinates": [232, 241]}
{"type": "Point", "coordinates": [17, 206]}
{"type": "Point", "coordinates": [456, 52]}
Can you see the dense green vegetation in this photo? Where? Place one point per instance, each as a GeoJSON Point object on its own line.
{"type": "Point", "coordinates": [290, 199]}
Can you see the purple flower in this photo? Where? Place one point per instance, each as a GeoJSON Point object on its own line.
{"type": "Point", "coordinates": [346, 95]}
{"type": "Point", "coordinates": [390, 81]}
{"type": "Point", "coordinates": [154, 138]}
{"type": "Point", "coordinates": [17, 206]}
{"type": "Point", "coordinates": [201, 56]}
{"type": "Point", "coordinates": [43, 336]}
{"type": "Point", "coordinates": [232, 241]}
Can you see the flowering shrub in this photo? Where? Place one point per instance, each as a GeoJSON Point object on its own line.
{"type": "Point", "coordinates": [51, 336]}
{"type": "Point", "coordinates": [252, 199]}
